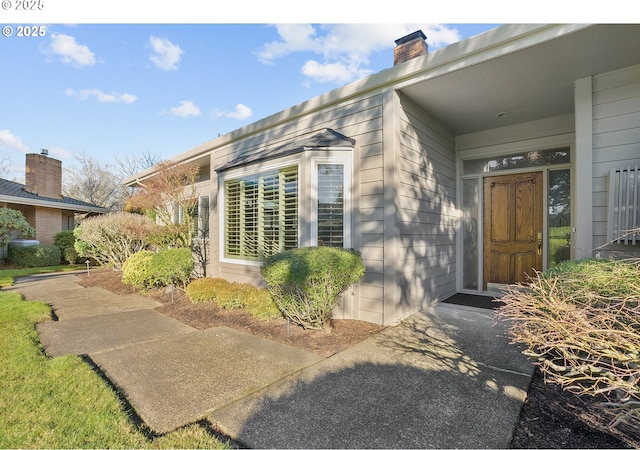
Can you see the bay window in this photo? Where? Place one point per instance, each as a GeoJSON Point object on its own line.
{"type": "Point", "coordinates": [297, 194]}
{"type": "Point", "coordinates": [261, 214]}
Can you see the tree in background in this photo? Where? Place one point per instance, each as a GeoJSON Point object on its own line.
{"type": "Point", "coordinates": [170, 197]}
{"type": "Point", "coordinates": [131, 164]}
{"type": "Point", "coordinates": [5, 165]}
{"type": "Point", "coordinates": [102, 184]}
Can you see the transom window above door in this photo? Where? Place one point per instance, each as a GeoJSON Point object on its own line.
{"type": "Point", "coordinates": [533, 158]}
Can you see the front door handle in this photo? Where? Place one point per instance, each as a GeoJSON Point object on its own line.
{"type": "Point", "coordinates": [540, 242]}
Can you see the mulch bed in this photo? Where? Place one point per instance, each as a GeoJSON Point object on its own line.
{"type": "Point", "coordinates": [550, 417]}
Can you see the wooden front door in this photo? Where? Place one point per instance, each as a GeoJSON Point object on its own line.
{"type": "Point", "coordinates": [512, 228]}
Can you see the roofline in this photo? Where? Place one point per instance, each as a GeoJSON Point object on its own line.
{"type": "Point", "coordinates": [482, 47]}
{"type": "Point", "coordinates": [51, 204]}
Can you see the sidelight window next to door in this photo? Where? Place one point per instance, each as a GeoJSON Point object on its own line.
{"type": "Point", "coordinates": [516, 217]}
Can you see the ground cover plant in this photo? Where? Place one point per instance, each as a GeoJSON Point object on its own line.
{"type": "Point", "coordinates": [61, 402]}
{"type": "Point", "coordinates": [231, 295]}
{"type": "Point", "coordinates": [579, 323]}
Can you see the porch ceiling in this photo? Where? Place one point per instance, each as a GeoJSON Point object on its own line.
{"type": "Point", "coordinates": [529, 84]}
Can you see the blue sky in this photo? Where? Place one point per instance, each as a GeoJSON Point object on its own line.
{"type": "Point", "coordinates": [111, 90]}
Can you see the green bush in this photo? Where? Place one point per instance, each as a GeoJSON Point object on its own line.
{"type": "Point", "coordinates": [34, 255]}
{"type": "Point", "coordinates": [70, 255]}
{"type": "Point", "coordinates": [307, 283]}
{"type": "Point", "coordinates": [259, 303]}
{"type": "Point", "coordinates": [13, 224]}
{"type": "Point", "coordinates": [173, 266]}
{"type": "Point", "coordinates": [230, 295]}
{"type": "Point", "coordinates": [146, 269]}
{"type": "Point", "coordinates": [136, 270]}
{"type": "Point", "coordinates": [65, 241]}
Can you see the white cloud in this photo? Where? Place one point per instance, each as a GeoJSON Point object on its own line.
{"type": "Point", "coordinates": [187, 108]}
{"type": "Point", "coordinates": [60, 153]}
{"type": "Point", "coordinates": [10, 141]}
{"type": "Point", "coordinates": [166, 55]}
{"type": "Point", "coordinates": [346, 48]}
{"type": "Point", "coordinates": [294, 38]}
{"type": "Point", "coordinates": [241, 112]}
{"type": "Point", "coordinates": [69, 51]}
{"type": "Point", "coordinates": [102, 97]}
{"type": "Point", "coordinates": [333, 72]}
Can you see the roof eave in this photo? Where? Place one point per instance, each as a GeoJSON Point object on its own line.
{"type": "Point", "coordinates": [53, 204]}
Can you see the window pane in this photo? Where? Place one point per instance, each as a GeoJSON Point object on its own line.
{"type": "Point", "coordinates": [331, 205]}
{"type": "Point", "coordinates": [261, 214]}
{"type": "Point", "coordinates": [534, 158]}
{"type": "Point", "coordinates": [559, 218]}
{"type": "Point", "coordinates": [203, 217]}
{"type": "Point", "coordinates": [470, 195]}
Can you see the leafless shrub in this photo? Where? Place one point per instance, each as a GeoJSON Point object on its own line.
{"type": "Point", "coordinates": [581, 325]}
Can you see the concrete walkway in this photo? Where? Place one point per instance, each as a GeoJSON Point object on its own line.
{"type": "Point", "coordinates": [445, 378]}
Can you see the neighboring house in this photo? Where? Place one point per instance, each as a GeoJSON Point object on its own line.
{"type": "Point", "coordinates": [453, 171]}
{"type": "Point", "coordinates": [40, 199]}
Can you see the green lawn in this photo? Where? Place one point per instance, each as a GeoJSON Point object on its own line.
{"type": "Point", "coordinates": [61, 402]}
{"type": "Point", "coordinates": [7, 276]}
{"type": "Point", "coordinates": [558, 240]}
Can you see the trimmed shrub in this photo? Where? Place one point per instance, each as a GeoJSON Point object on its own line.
{"type": "Point", "coordinates": [173, 266]}
{"type": "Point", "coordinates": [307, 283]}
{"type": "Point", "coordinates": [231, 295]}
{"type": "Point", "coordinates": [217, 290]}
{"type": "Point", "coordinates": [136, 270]}
{"type": "Point", "coordinates": [146, 269]}
{"type": "Point", "coordinates": [579, 323]}
{"type": "Point", "coordinates": [65, 241]}
{"type": "Point", "coordinates": [259, 303]}
{"type": "Point", "coordinates": [13, 224]}
{"type": "Point", "coordinates": [70, 255]}
{"type": "Point", "coordinates": [34, 255]}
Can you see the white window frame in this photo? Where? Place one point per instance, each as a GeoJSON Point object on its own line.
{"type": "Point", "coordinates": [200, 218]}
{"type": "Point", "coordinates": [307, 164]}
{"type": "Point", "coordinates": [347, 161]}
{"type": "Point", "coordinates": [243, 172]}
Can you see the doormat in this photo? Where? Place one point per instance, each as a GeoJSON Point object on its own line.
{"type": "Point", "coordinates": [476, 301]}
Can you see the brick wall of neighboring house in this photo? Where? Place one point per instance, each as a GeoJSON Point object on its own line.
{"type": "Point", "coordinates": [48, 224]}
{"type": "Point", "coordinates": [29, 213]}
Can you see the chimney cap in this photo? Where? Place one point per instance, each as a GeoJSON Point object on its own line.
{"type": "Point", "coordinates": [44, 151]}
{"type": "Point", "coordinates": [411, 37]}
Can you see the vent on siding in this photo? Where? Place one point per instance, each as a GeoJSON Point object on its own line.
{"type": "Point", "coordinates": [624, 205]}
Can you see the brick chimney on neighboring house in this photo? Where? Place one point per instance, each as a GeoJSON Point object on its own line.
{"type": "Point", "coordinates": [409, 47]}
{"type": "Point", "coordinates": [43, 175]}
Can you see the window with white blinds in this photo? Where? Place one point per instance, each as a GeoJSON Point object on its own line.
{"type": "Point", "coordinates": [261, 214]}
{"type": "Point", "coordinates": [330, 204]}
